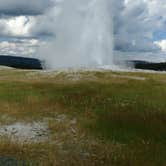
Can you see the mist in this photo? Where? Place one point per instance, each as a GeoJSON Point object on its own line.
{"type": "Point", "coordinates": [83, 35]}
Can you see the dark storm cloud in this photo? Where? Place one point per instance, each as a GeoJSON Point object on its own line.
{"type": "Point", "coordinates": [23, 7]}
{"type": "Point", "coordinates": [134, 26]}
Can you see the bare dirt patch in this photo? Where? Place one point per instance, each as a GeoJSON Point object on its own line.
{"type": "Point", "coordinates": [129, 77]}
{"type": "Point", "coordinates": [25, 132]}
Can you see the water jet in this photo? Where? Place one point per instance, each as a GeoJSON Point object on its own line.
{"type": "Point", "coordinates": [84, 35]}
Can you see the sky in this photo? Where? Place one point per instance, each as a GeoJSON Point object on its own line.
{"type": "Point", "coordinates": [139, 27]}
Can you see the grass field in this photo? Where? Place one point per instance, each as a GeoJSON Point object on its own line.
{"type": "Point", "coordinates": [93, 118]}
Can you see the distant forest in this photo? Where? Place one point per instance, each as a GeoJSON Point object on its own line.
{"type": "Point", "coordinates": [149, 65]}
{"type": "Point", "coordinates": [20, 62]}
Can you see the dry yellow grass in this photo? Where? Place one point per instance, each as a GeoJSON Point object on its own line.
{"type": "Point", "coordinates": [93, 117]}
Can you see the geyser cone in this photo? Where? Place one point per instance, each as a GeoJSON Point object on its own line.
{"type": "Point", "coordinates": [84, 35]}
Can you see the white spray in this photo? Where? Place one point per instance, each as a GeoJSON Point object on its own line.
{"type": "Point", "coordinates": [84, 35]}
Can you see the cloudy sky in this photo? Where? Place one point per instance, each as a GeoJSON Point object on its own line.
{"type": "Point", "coordinates": [139, 26]}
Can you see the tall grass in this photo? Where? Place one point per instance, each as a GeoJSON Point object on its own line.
{"type": "Point", "coordinates": [126, 118]}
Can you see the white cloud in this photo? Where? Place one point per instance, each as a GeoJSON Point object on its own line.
{"type": "Point", "coordinates": [161, 44]}
{"type": "Point", "coordinates": [23, 47]}
{"type": "Point", "coordinates": [16, 26]}
{"type": "Point", "coordinates": [135, 22]}
{"type": "Point", "coordinates": [24, 7]}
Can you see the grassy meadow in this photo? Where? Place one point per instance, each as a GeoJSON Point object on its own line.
{"type": "Point", "coordinates": [94, 117]}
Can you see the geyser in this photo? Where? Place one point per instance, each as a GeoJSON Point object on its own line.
{"type": "Point", "coordinates": [84, 35]}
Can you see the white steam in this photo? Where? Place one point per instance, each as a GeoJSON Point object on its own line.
{"type": "Point", "coordinates": [83, 35]}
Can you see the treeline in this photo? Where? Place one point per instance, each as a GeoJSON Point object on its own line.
{"type": "Point", "coordinates": [20, 62]}
{"type": "Point", "coordinates": [149, 65]}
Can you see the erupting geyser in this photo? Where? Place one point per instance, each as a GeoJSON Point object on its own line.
{"type": "Point", "coordinates": [84, 35]}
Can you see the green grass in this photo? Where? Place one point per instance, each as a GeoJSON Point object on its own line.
{"type": "Point", "coordinates": [125, 117]}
